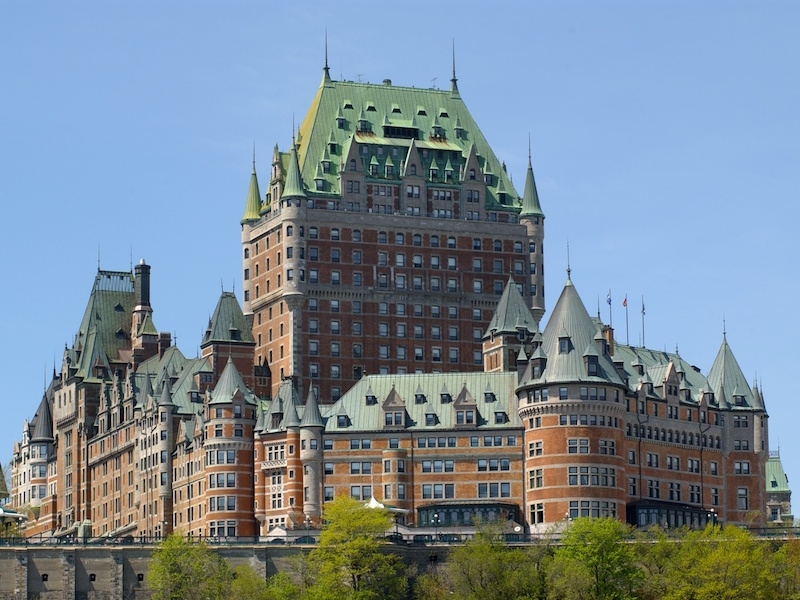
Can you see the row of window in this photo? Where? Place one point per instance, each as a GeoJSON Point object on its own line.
{"type": "Point", "coordinates": [584, 420]}
{"type": "Point", "coordinates": [400, 309]}
{"type": "Point", "coordinates": [220, 503]}
{"type": "Point", "coordinates": [677, 437]}
{"type": "Point", "coordinates": [221, 457]}
{"type": "Point", "coordinates": [401, 238]}
{"type": "Point", "coordinates": [584, 393]}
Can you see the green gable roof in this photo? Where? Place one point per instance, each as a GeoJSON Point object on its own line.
{"type": "Point", "coordinates": [227, 324]}
{"type": "Point", "coordinates": [777, 481]}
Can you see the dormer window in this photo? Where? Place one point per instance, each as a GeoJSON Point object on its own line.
{"type": "Point", "coordinates": [488, 396]}
{"type": "Point", "coordinates": [342, 421]}
{"type": "Point", "coordinates": [340, 122]}
{"type": "Point", "coordinates": [465, 417]}
{"type": "Point", "coordinates": [393, 419]}
{"type": "Point", "coordinates": [371, 399]}
{"type": "Point", "coordinates": [563, 345]}
{"type": "Point", "coordinates": [431, 419]}
{"type": "Point", "coordinates": [737, 400]}
{"type": "Point", "coordinates": [362, 125]}
{"type": "Point", "coordinates": [412, 169]}
{"type": "Point", "coordinates": [500, 418]}
{"type": "Point", "coordinates": [352, 164]}
{"type": "Point", "coordinates": [445, 398]}
{"type": "Point", "coordinates": [592, 367]}
{"type": "Point", "coordinates": [326, 166]}
{"type": "Point", "coordinates": [373, 170]}
{"type": "Point", "coordinates": [448, 175]}
{"type": "Point", "coordinates": [487, 179]}
{"type": "Point", "coordinates": [459, 132]}
{"type": "Point", "coordinates": [332, 147]}
{"type": "Point", "coordinates": [419, 398]}
{"type": "Point", "coordinates": [434, 173]}
{"type": "Point", "coordinates": [472, 174]}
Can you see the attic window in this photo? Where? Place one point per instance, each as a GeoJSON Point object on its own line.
{"type": "Point", "coordinates": [371, 107]}
{"type": "Point", "coordinates": [121, 335]}
{"type": "Point", "coordinates": [445, 398]}
{"type": "Point", "coordinates": [737, 400]}
{"type": "Point", "coordinates": [371, 399]}
{"type": "Point", "coordinates": [396, 109]}
{"type": "Point", "coordinates": [443, 113]}
{"type": "Point", "coordinates": [341, 420]}
{"type": "Point", "coordinates": [348, 104]}
{"type": "Point", "coordinates": [419, 399]}
{"type": "Point", "coordinates": [421, 111]}
{"type": "Point", "coordinates": [340, 122]}
{"type": "Point", "coordinates": [487, 179]}
{"type": "Point", "coordinates": [459, 132]}
{"type": "Point", "coordinates": [489, 396]}
{"type": "Point", "coordinates": [119, 308]}
{"type": "Point", "coordinates": [563, 345]}
{"type": "Point", "coordinates": [500, 418]}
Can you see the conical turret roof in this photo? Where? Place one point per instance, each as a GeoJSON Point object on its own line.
{"type": "Point", "coordinates": [511, 314]}
{"type": "Point", "coordinates": [253, 203]}
{"type": "Point", "coordinates": [311, 414]}
{"type": "Point", "coordinates": [725, 375]}
{"type": "Point", "coordinates": [229, 385]}
{"type": "Point", "coordinates": [530, 197]}
{"type": "Point", "coordinates": [293, 186]}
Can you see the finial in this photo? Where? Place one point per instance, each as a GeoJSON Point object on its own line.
{"type": "Point", "coordinates": [254, 156]}
{"type": "Point", "coordinates": [569, 269]}
{"type": "Point", "coordinates": [529, 147]}
{"type": "Point", "coordinates": [326, 69]}
{"type": "Point", "coordinates": [724, 332]}
{"type": "Point", "coordinates": [454, 80]}
{"type": "Point", "coordinates": [98, 257]}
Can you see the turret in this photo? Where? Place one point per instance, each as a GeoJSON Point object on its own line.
{"type": "Point", "coordinates": [311, 428]}
{"type": "Point", "coordinates": [532, 217]}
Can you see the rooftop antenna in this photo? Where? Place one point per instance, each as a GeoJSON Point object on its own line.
{"type": "Point", "coordinates": [359, 77]}
{"type": "Point", "coordinates": [98, 256]}
{"type": "Point", "coordinates": [254, 156]}
{"type": "Point", "coordinates": [724, 332]}
{"type": "Point", "coordinates": [131, 256]}
{"type": "Point", "coordinates": [434, 82]}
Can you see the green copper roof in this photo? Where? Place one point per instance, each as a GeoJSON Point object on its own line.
{"type": "Point", "coordinates": [253, 204]}
{"type": "Point", "coordinates": [293, 186]}
{"type": "Point", "coordinates": [388, 109]}
{"type": "Point", "coordinates": [725, 376]}
{"type": "Point", "coordinates": [311, 414]}
{"type": "Point", "coordinates": [570, 320]}
{"type": "Point", "coordinates": [399, 392]}
{"type": "Point", "coordinates": [777, 481]}
{"type": "Point", "coordinates": [229, 386]}
{"type": "Point", "coordinates": [104, 329]}
{"type": "Point", "coordinates": [511, 314]}
{"type": "Point", "coordinates": [227, 324]}
{"type": "Point", "coordinates": [530, 197]}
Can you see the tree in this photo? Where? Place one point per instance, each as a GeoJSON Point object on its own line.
{"type": "Point", "coordinates": [249, 584]}
{"type": "Point", "coordinates": [349, 562]}
{"type": "Point", "coordinates": [484, 568]}
{"type": "Point", "coordinates": [182, 570]}
{"type": "Point", "coordinates": [721, 564]}
{"type": "Point", "coordinates": [595, 562]}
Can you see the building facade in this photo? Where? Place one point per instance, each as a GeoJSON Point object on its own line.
{"type": "Point", "coordinates": [384, 241]}
{"type": "Point", "coordinates": [389, 348]}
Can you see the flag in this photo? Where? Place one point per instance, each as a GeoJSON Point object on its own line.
{"type": "Point", "coordinates": [642, 307]}
{"type": "Point", "coordinates": [625, 301]}
{"type": "Point", "coordinates": [608, 298]}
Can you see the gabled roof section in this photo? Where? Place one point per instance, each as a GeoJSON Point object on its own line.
{"type": "Point", "coordinates": [511, 314]}
{"type": "Point", "coordinates": [231, 385]}
{"type": "Point", "coordinates": [147, 327]}
{"type": "Point", "coordinates": [227, 324]}
{"type": "Point", "coordinates": [725, 376]}
{"type": "Point", "coordinates": [530, 197]}
{"type": "Point", "coordinates": [253, 204]}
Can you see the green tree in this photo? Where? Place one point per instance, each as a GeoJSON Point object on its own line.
{"type": "Point", "coordinates": [349, 561]}
{"type": "Point", "coordinates": [595, 562]}
{"type": "Point", "coordinates": [485, 568]}
{"type": "Point", "coordinates": [182, 570]}
{"type": "Point", "coordinates": [247, 583]}
{"type": "Point", "coordinates": [722, 564]}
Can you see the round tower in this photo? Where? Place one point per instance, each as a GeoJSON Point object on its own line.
{"type": "Point", "coordinates": [311, 429]}
{"type": "Point", "coordinates": [532, 217]}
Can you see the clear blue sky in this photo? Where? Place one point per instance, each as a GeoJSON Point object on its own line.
{"type": "Point", "coordinates": [665, 139]}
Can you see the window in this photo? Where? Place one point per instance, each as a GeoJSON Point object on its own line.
{"type": "Point", "coordinates": [653, 489]}
{"type": "Point", "coordinates": [578, 446]}
{"type": "Point", "coordinates": [535, 478]}
{"type": "Point", "coordinates": [741, 467]}
{"type": "Point", "coordinates": [535, 448]}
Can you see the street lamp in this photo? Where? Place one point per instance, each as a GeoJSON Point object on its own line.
{"type": "Point", "coordinates": [436, 524]}
{"type": "Point", "coordinates": [307, 523]}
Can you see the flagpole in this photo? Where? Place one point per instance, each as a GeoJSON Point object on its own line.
{"type": "Point", "coordinates": [610, 320]}
{"type": "Point", "coordinates": [627, 333]}
{"type": "Point", "coordinates": [642, 321]}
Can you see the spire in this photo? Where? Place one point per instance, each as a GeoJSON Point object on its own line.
{"type": "Point", "coordinates": [253, 204]}
{"type": "Point", "coordinates": [311, 414]}
{"type": "Point", "coordinates": [454, 80]}
{"type": "Point", "coordinates": [326, 77]}
{"type": "Point", "coordinates": [530, 198]}
{"type": "Point", "coordinates": [293, 187]}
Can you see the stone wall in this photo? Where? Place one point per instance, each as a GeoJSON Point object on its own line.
{"type": "Point", "coordinates": [120, 572]}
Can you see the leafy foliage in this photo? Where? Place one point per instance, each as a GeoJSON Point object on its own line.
{"type": "Point", "coordinates": [349, 562]}
{"type": "Point", "coordinates": [182, 570]}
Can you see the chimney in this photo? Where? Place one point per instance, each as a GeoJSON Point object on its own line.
{"type": "Point", "coordinates": [142, 284]}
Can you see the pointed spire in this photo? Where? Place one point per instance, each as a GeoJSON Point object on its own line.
{"type": "Point", "coordinates": [253, 204]}
{"type": "Point", "coordinates": [293, 187]}
{"type": "Point", "coordinates": [454, 79]}
{"type": "Point", "coordinates": [311, 414]}
{"type": "Point", "coordinates": [530, 197]}
{"type": "Point", "coordinates": [326, 77]}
